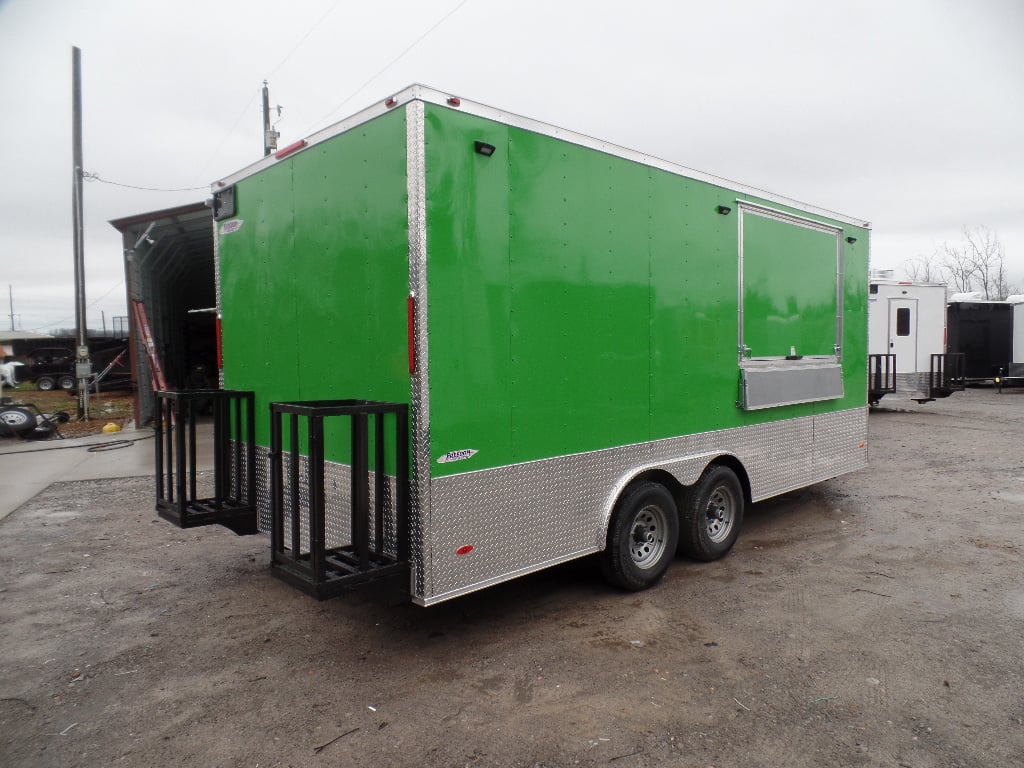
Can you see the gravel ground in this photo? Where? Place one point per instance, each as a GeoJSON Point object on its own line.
{"type": "Point", "coordinates": [873, 620]}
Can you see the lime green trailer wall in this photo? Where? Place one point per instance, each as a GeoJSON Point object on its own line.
{"type": "Point", "coordinates": [566, 319]}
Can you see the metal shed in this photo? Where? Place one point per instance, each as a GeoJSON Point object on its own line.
{"type": "Point", "coordinates": [169, 267]}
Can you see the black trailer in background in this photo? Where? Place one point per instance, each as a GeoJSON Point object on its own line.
{"type": "Point", "coordinates": [983, 332]}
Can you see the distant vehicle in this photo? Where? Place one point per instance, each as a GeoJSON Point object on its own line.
{"type": "Point", "coordinates": [52, 368]}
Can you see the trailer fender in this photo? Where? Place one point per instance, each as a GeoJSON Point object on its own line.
{"type": "Point", "coordinates": [676, 475]}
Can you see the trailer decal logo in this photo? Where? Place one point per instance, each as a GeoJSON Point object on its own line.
{"type": "Point", "coordinates": [462, 455]}
{"type": "Point", "coordinates": [231, 226]}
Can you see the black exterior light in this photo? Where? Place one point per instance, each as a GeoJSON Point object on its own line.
{"type": "Point", "coordinates": [482, 148]}
{"type": "Point", "coordinates": [851, 240]}
{"type": "Point", "coordinates": [725, 210]}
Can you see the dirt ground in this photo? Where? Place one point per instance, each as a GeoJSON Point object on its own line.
{"type": "Point", "coordinates": [873, 620]}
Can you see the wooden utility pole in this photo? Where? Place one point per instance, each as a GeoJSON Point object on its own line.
{"type": "Point", "coordinates": [83, 364]}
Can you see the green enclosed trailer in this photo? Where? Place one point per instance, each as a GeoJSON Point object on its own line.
{"type": "Point", "coordinates": [598, 351]}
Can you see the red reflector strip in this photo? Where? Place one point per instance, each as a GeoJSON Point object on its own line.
{"type": "Point", "coordinates": [220, 346]}
{"type": "Point", "coordinates": [290, 149]}
{"type": "Point", "coordinates": [464, 550]}
{"type": "Point", "coordinates": [455, 101]}
{"type": "Point", "coordinates": [411, 324]}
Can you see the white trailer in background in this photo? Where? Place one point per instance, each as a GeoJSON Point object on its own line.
{"type": "Point", "coordinates": [907, 340]}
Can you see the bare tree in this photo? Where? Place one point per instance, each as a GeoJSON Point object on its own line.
{"type": "Point", "coordinates": [977, 263]}
{"type": "Point", "coordinates": [924, 269]}
{"type": "Point", "coordinates": [958, 266]}
{"type": "Point", "coordinates": [989, 260]}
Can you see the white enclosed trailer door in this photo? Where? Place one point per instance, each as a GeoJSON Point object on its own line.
{"type": "Point", "coordinates": [903, 324]}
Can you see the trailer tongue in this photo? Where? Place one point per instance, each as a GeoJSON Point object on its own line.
{"type": "Point", "coordinates": [460, 346]}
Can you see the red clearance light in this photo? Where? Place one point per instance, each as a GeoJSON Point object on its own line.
{"type": "Point", "coordinates": [454, 101]}
{"type": "Point", "coordinates": [290, 149]}
{"type": "Point", "coordinates": [390, 101]}
{"type": "Point", "coordinates": [464, 550]}
{"type": "Point", "coordinates": [220, 345]}
{"type": "Point", "coordinates": [411, 325]}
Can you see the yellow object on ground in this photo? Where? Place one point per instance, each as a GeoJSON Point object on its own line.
{"type": "Point", "coordinates": [110, 427]}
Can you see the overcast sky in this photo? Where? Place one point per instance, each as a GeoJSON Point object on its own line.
{"type": "Point", "coordinates": [906, 113]}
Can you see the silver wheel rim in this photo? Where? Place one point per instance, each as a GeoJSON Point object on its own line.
{"type": "Point", "coordinates": [14, 419]}
{"type": "Point", "coordinates": [647, 536]}
{"type": "Point", "coordinates": [720, 512]}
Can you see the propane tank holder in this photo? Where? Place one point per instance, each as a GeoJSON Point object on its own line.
{"type": "Point", "coordinates": [375, 545]}
{"type": "Point", "coordinates": [233, 500]}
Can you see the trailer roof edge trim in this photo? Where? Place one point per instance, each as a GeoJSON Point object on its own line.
{"type": "Point", "coordinates": [912, 283]}
{"type": "Point", "coordinates": [432, 96]}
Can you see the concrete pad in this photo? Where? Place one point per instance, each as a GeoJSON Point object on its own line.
{"type": "Point", "coordinates": [27, 468]}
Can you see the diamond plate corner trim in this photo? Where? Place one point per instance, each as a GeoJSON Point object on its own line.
{"type": "Point", "coordinates": [524, 517]}
{"type": "Point", "coordinates": [216, 287]}
{"type": "Point", "coordinates": [419, 490]}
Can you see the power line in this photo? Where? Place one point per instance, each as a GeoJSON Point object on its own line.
{"type": "Point", "coordinates": [87, 176]}
{"type": "Point", "coordinates": [254, 94]}
{"type": "Point", "coordinates": [386, 67]}
{"type": "Point", "coordinates": [231, 130]}
{"type": "Point", "coordinates": [92, 304]}
{"type": "Point", "coordinates": [303, 39]}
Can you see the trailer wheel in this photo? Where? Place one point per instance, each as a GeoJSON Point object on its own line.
{"type": "Point", "coordinates": [642, 537]}
{"type": "Point", "coordinates": [712, 515]}
{"type": "Point", "coordinates": [66, 382]}
{"type": "Point", "coordinates": [45, 383]}
{"type": "Point", "coordinates": [16, 421]}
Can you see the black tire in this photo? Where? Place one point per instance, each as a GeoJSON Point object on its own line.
{"type": "Point", "coordinates": [16, 421]}
{"type": "Point", "coordinates": [642, 537]}
{"type": "Point", "coordinates": [66, 382]}
{"type": "Point", "coordinates": [712, 515]}
{"type": "Point", "coordinates": [45, 383]}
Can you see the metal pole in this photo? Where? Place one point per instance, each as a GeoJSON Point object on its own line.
{"type": "Point", "coordinates": [83, 365]}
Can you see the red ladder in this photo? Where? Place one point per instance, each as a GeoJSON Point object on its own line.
{"type": "Point", "coordinates": [156, 371]}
